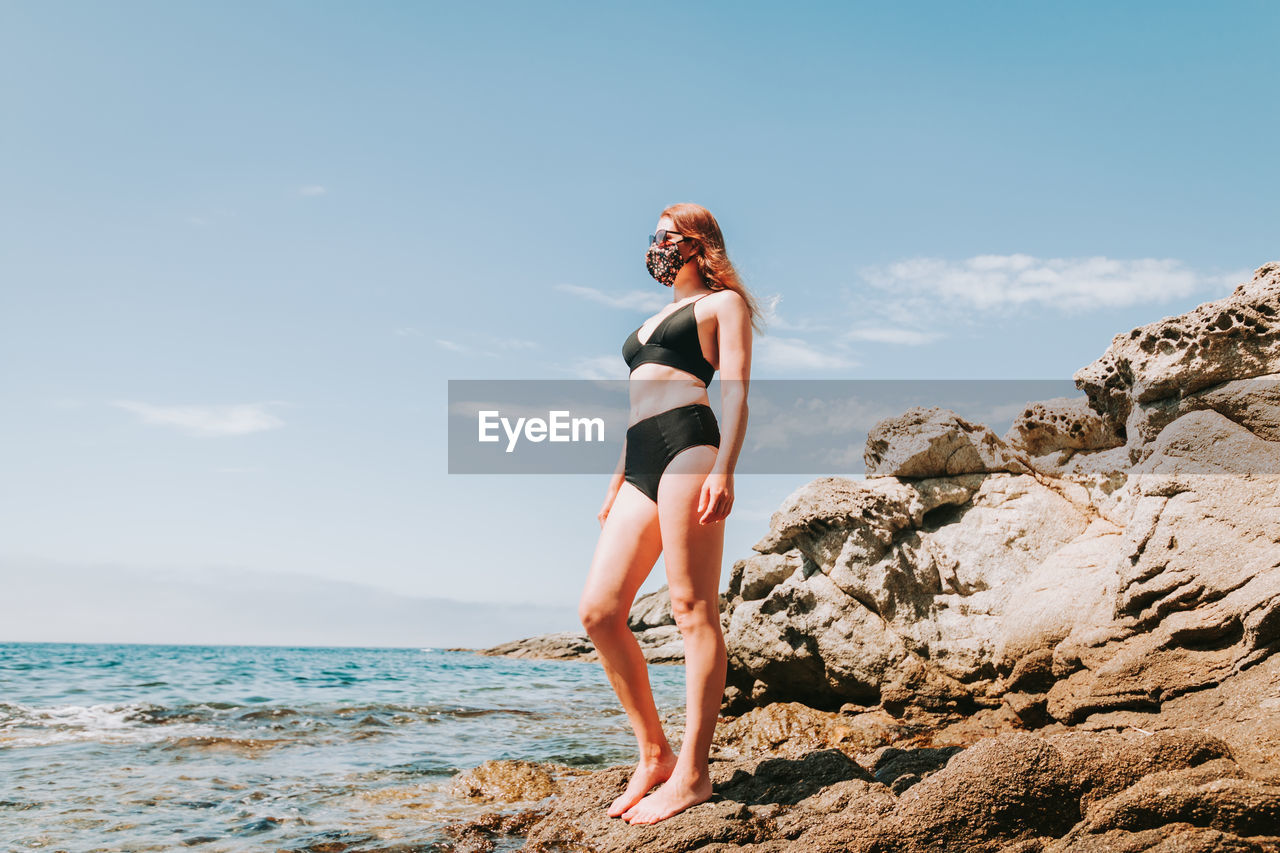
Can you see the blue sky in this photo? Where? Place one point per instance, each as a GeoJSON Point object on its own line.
{"type": "Point", "coordinates": [245, 245]}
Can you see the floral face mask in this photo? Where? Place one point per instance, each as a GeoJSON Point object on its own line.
{"type": "Point", "coordinates": [664, 262]}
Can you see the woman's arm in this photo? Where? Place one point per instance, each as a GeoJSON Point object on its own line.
{"type": "Point", "coordinates": [735, 375]}
{"type": "Point", "coordinates": [734, 342]}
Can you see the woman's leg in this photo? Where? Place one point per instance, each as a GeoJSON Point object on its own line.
{"type": "Point", "coordinates": [693, 554]}
{"type": "Point", "coordinates": [626, 551]}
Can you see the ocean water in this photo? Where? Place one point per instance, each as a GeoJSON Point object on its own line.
{"type": "Point", "coordinates": [242, 748]}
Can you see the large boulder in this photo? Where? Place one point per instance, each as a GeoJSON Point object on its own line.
{"type": "Point", "coordinates": [889, 589]}
{"type": "Point", "coordinates": [1198, 592]}
{"type": "Point", "coordinates": [934, 442]}
{"type": "Point", "coordinates": [1144, 372]}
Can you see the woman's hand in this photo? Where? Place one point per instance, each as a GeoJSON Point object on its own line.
{"type": "Point", "coordinates": [716, 498]}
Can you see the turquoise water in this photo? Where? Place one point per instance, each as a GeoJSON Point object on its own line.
{"type": "Point", "coordinates": [239, 748]}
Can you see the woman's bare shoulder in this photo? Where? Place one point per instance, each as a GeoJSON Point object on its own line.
{"type": "Point", "coordinates": [727, 303]}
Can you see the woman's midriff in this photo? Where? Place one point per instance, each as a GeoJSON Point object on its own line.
{"type": "Point", "coordinates": [656, 388]}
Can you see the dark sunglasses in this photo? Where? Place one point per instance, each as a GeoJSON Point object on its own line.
{"type": "Point", "coordinates": [662, 235]}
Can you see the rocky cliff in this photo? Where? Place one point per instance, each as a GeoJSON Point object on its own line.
{"type": "Point", "coordinates": [1062, 639]}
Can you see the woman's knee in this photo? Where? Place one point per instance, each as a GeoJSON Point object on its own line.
{"type": "Point", "coordinates": [601, 615]}
{"type": "Point", "coordinates": [694, 614]}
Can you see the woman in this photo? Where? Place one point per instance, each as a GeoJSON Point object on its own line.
{"type": "Point", "coordinates": [671, 493]}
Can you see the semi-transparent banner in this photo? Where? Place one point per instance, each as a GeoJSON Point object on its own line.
{"type": "Point", "coordinates": [794, 426]}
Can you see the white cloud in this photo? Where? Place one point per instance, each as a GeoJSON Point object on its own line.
{"type": "Point", "coordinates": [210, 217]}
{"type": "Point", "coordinates": [775, 322]}
{"type": "Point", "coordinates": [1012, 281]}
{"type": "Point", "coordinates": [1229, 281]}
{"type": "Point", "coordinates": [493, 343]}
{"type": "Point", "coordinates": [206, 421]}
{"type": "Point", "coordinates": [635, 300]}
{"type": "Point", "coordinates": [891, 335]}
{"type": "Point", "coordinates": [600, 367]}
{"type": "Point", "coordinates": [514, 343]}
{"type": "Point", "coordinates": [808, 422]}
{"type": "Point", "coordinates": [784, 354]}
{"type": "Point", "coordinates": [313, 190]}
{"type": "Point", "coordinates": [451, 346]}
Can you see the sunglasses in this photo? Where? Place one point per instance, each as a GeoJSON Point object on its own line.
{"type": "Point", "coordinates": [663, 235]}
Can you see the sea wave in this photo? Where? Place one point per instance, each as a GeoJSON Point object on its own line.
{"type": "Point", "coordinates": [149, 722]}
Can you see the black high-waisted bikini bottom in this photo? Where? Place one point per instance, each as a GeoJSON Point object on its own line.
{"type": "Point", "coordinates": [653, 442]}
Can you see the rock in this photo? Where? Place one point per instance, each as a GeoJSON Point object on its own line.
{"type": "Point", "coordinates": [565, 645]}
{"type": "Point", "coordinates": [750, 794]}
{"type": "Point", "coordinates": [652, 610]}
{"type": "Point", "coordinates": [899, 769]}
{"type": "Point", "coordinates": [1172, 838]}
{"type": "Point", "coordinates": [1076, 791]}
{"type": "Point", "coordinates": [479, 834]}
{"type": "Point", "coordinates": [1252, 403]}
{"type": "Point", "coordinates": [650, 618]}
{"type": "Point", "coordinates": [1003, 789]}
{"type": "Point", "coordinates": [754, 576]}
{"type": "Point", "coordinates": [899, 589]}
{"type": "Point", "coordinates": [1209, 797]}
{"type": "Point", "coordinates": [1096, 478]}
{"type": "Point", "coordinates": [1033, 672]}
{"type": "Point", "coordinates": [963, 729]}
{"type": "Point", "coordinates": [933, 442]}
{"type": "Point", "coordinates": [509, 781]}
{"type": "Point", "coordinates": [1103, 764]}
{"type": "Point", "coordinates": [790, 729]}
{"type": "Point", "coordinates": [1234, 338]}
{"type": "Point", "coordinates": [1198, 594]}
{"type": "Point", "coordinates": [1031, 709]}
{"type": "Point", "coordinates": [1063, 423]}
{"type": "Point", "coordinates": [1069, 591]}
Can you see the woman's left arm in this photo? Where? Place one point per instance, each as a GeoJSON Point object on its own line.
{"type": "Point", "coordinates": [734, 342]}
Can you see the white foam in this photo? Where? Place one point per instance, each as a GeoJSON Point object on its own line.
{"type": "Point", "coordinates": [25, 725]}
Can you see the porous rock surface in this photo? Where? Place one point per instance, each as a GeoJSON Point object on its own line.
{"type": "Point", "coordinates": [1016, 791]}
{"type": "Point", "coordinates": [1137, 384]}
{"type": "Point", "coordinates": [931, 442]}
{"type": "Point", "coordinates": [1060, 641]}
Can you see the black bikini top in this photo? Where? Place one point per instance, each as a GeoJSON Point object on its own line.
{"type": "Point", "coordinates": [674, 342]}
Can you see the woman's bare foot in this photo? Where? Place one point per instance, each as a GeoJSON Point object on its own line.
{"type": "Point", "coordinates": [675, 795]}
{"type": "Point", "coordinates": [646, 775]}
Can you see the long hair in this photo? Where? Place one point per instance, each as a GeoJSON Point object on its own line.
{"type": "Point", "coordinates": [695, 221]}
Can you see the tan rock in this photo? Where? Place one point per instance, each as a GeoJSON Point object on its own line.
{"type": "Point", "coordinates": [1234, 338]}
{"type": "Point", "coordinates": [934, 442]}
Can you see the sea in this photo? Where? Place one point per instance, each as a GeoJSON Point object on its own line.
{"type": "Point", "coordinates": [313, 750]}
